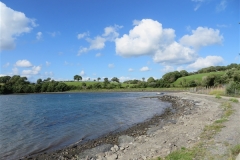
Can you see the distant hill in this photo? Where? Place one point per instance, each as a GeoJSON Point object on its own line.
{"type": "Point", "coordinates": [196, 77]}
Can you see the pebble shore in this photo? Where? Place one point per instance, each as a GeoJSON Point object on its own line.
{"type": "Point", "coordinates": [114, 145]}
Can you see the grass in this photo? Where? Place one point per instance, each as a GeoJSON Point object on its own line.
{"type": "Point", "coordinates": [196, 77]}
{"type": "Point", "coordinates": [234, 100]}
{"type": "Point", "coordinates": [235, 150]}
{"type": "Point", "coordinates": [218, 96]}
{"type": "Point", "coordinates": [217, 91]}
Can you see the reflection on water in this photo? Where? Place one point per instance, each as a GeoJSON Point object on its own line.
{"type": "Point", "coordinates": [42, 122]}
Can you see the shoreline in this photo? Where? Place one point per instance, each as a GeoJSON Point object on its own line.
{"type": "Point", "coordinates": [112, 138]}
{"type": "Point", "coordinates": [179, 127]}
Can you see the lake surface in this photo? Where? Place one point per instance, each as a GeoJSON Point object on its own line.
{"type": "Point", "coordinates": [33, 123]}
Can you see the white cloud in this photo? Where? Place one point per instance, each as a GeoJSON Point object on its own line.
{"type": "Point", "coordinates": [82, 50]}
{"type": "Point", "coordinates": [23, 63]}
{"type": "Point", "coordinates": [82, 35]}
{"type": "Point", "coordinates": [54, 34]}
{"type": "Point", "coordinates": [6, 65]}
{"type": "Point", "coordinates": [34, 71]}
{"type": "Point", "coordinates": [82, 73]}
{"type": "Point", "coordinates": [130, 70]}
{"type": "Point", "coordinates": [15, 71]}
{"type": "Point", "coordinates": [98, 42]}
{"type": "Point", "coordinates": [48, 63]}
{"type": "Point", "coordinates": [201, 37]}
{"type": "Point", "coordinates": [180, 68]}
{"type": "Point", "coordinates": [12, 25]}
{"type": "Point", "coordinates": [199, 4]}
{"type": "Point", "coordinates": [221, 6]}
{"type": "Point", "coordinates": [136, 22]}
{"type": "Point", "coordinates": [143, 69]}
{"type": "Point", "coordinates": [168, 69]}
{"type": "Point", "coordinates": [175, 54]}
{"type": "Point", "coordinates": [98, 55]}
{"type": "Point", "coordinates": [206, 62]}
{"type": "Point", "coordinates": [122, 78]}
{"type": "Point", "coordinates": [110, 33]}
{"type": "Point", "coordinates": [111, 65]}
{"type": "Point", "coordinates": [2, 75]}
{"type": "Point", "coordinates": [149, 38]}
{"type": "Point", "coordinates": [39, 35]}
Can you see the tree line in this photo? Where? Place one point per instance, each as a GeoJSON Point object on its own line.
{"type": "Point", "coordinates": [18, 84]}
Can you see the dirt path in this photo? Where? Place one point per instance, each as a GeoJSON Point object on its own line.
{"type": "Point", "coordinates": [186, 132]}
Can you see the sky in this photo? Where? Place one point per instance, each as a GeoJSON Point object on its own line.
{"type": "Point", "coordinates": [127, 39]}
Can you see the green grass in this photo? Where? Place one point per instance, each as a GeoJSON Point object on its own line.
{"type": "Point", "coordinates": [234, 100]}
{"type": "Point", "coordinates": [196, 77]}
{"type": "Point", "coordinates": [218, 96]}
{"type": "Point", "coordinates": [217, 91]}
{"type": "Point", "coordinates": [235, 150]}
{"type": "Point", "coordinates": [79, 83]}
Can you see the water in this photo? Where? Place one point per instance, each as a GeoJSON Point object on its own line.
{"type": "Point", "coordinates": [34, 123]}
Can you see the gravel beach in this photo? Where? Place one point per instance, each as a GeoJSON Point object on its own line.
{"type": "Point", "coordinates": [179, 126]}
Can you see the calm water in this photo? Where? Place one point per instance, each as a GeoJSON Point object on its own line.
{"type": "Point", "coordinates": [35, 123]}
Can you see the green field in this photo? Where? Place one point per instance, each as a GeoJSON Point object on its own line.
{"type": "Point", "coordinates": [76, 83]}
{"type": "Point", "coordinates": [79, 83]}
{"type": "Point", "coordinates": [196, 77]}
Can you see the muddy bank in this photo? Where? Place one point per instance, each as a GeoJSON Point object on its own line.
{"type": "Point", "coordinates": [107, 142]}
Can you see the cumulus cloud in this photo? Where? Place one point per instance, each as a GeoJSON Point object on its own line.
{"type": "Point", "coordinates": [98, 42]}
{"type": "Point", "coordinates": [34, 71]}
{"type": "Point", "coordinates": [168, 69]}
{"type": "Point", "coordinates": [110, 33]}
{"type": "Point", "coordinates": [15, 71]}
{"type": "Point", "coordinates": [39, 35]}
{"type": "Point", "coordinates": [23, 63]}
{"type": "Point", "coordinates": [150, 38]}
{"type": "Point", "coordinates": [144, 69]}
{"type": "Point", "coordinates": [12, 25]}
{"type": "Point", "coordinates": [82, 35]}
{"type": "Point", "coordinates": [206, 62]}
{"type": "Point", "coordinates": [111, 65]}
{"type": "Point", "coordinates": [175, 54]}
{"type": "Point", "coordinates": [122, 78]}
{"type": "Point", "coordinates": [221, 6]}
{"type": "Point", "coordinates": [201, 37]}
{"type": "Point", "coordinates": [82, 73]}
{"type": "Point", "coordinates": [130, 70]}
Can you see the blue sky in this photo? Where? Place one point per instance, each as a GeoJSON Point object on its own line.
{"type": "Point", "coordinates": [128, 39]}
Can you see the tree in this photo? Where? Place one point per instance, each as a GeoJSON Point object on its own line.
{"type": "Point", "coordinates": [150, 79]}
{"type": "Point", "coordinates": [39, 81]}
{"type": "Point", "coordinates": [77, 77]}
{"type": "Point", "coordinates": [98, 78]}
{"type": "Point", "coordinates": [115, 79]}
{"type": "Point", "coordinates": [183, 73]}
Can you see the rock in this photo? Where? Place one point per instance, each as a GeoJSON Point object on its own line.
{"type": "Point", "coordinates": [112, 157]}
{"type": "Point", "coordinates": [94, 151]}
{"type": "Point", "coordinates": [116, 147]}
{"type": "Point", "coordinates": [125, 140]}
{"type": "Point", "coordinates": [238, 157]}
